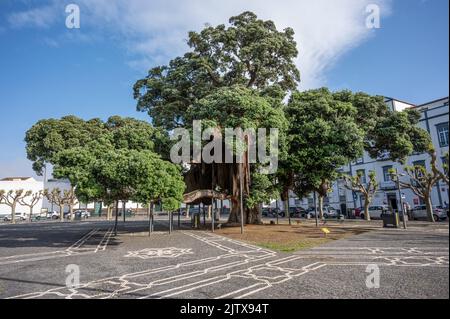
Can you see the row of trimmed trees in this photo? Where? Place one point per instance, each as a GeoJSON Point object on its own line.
{"type": "Point", "coordinates": [416, 178]}
{"type": "Point", "coordinates": [30, 199]}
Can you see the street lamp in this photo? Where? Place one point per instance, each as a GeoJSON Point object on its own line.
{"type": "Point", "coordinates": [400, 196]}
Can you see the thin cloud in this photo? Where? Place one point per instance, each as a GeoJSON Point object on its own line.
{"type": "Point", "coordinates": [41, 17]}
{"type": "Point", "coordinates": [153, 32]}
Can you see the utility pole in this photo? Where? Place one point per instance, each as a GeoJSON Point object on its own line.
{"type": "Point", "coordinates": [241, 183]}
{"type": "Point", "coordinates": [401, 199]}
{"type": "Point", "coordinates": [315, 209]}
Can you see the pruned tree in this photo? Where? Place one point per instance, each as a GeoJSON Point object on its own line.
{"type": "Point", "coordinates": [58, 197]}
{"type": "Point", "coordinates": [421, 181]}
{"type": "Point", "coordinates": [12, 198]}
{"type": "Point", "coordinates": [31, 202]}
{"type": "Point", "coordinates": [368, 189]}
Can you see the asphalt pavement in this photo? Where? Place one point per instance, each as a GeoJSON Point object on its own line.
{"type": "Point", "coordinates": [37, 260]}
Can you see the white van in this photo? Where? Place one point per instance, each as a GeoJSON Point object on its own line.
{"type": "Point", "coordinates": [19, 217]}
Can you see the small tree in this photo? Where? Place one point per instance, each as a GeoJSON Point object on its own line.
{"type": "Point", "coordinates": [57, 197]}
{"type": "Point", "coordinates": [421, 181]}
{"type": "Point", "coordinates": [357, 184]}
{"type": "Point", "coordinates": [12, 198]}
{"type": "Point", "coordinates": [31, 202]}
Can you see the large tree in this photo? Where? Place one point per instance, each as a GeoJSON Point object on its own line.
{"type": "Point", "coordinates": [318, 145]}
{"type": "Point", "coordinates": [249, 53]}
{"type": "Point", "coordinates": [323, 137]}
{"type": "Point", "coordinates": [139, 175]}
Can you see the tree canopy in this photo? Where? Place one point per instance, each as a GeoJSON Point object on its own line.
{"type": "Point", "coordinates": [48, 137]}
{"type": "Point", "coordinates": [250, 53]}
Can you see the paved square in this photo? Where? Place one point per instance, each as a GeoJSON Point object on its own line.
{"type": "Point", "coordinates": [197, 264]}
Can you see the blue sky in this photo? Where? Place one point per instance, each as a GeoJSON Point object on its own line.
{"type": "Point", "coordinates": [47, 70]}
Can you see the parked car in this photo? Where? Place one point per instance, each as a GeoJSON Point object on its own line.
{"type": "Point", "coordinates": [82, 214]}
{"type": "Point", "coordinates": [330, 212]}
{"type": "Point", "coordinates": [39, 216]}
{"type": "Point", "coordinates": [273, 212]}
{"type": "Point", "coordinates": [297, 211]}
{"type": "Point", "coordinates": [445, 209]}
{"type": "Point", "coordinates": [129, 213]}
{"type": "Point", "coordinates": [53, 215]}
{"type": "Point", "coordinates": [358, 211]}
{"type": "Point", "coordinates": [18, 217]}
{"type": "Point", "coordinates": [375, 212]}
{"type": "Point", "coordinates": [420, 212]}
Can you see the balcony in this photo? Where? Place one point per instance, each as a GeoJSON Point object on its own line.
{"type": "Point", "coordinates": [388, 185]}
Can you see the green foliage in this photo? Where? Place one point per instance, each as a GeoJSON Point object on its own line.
{"type": "Point", "coordinates": [323, 136]}
{"type": "Point", "coordinates": [262, 190]}
{"type": "Point", "coordinates": [250, 53]}
{"type": "Point", "coordinates": [398, 134]}
{"type": "Point", "coordinates": [47, 138]}
{"type": "Point", "coordinates": [386, 132]}
{"type": "Point", "coordinates": [122, 175]}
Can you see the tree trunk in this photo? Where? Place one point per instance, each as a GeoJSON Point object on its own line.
{"type": "Point", "coordinates": [61, 213]}
{"type": "Point", "coordinates": [71, 212]}
{"type": "Point", "coordinates": [188, 207]}
{"type": "Point", "coordinates": [251, 215]}
{"type": "Point", "coordinates": [13, 213]}
{"type": "Point", "coordinates": [429, 206]}
{"type": "Point", "coordinates": [366, 209]}
{"type": "Point", "coordinates": [124, 211]}
{"type": "Point", "coordinates": [286, 209]}
{"type": "Point", "coordinates": [235, 216]}
{"type": "Point", "coordinates": [31, 214]}
{"type": "Point", "coordinates": [117, 218]}
{"type": "Point", "coordinates": [320, 206]}
{"type": "Point", "coordinates": [108, 213]}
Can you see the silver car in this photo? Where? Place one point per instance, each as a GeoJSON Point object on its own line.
{"type": "Point", "coordinates": [420, 212]}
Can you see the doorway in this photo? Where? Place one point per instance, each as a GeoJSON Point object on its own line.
{"type": "Point", "coordinates": [392, 201]}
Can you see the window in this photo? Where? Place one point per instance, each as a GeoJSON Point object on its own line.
{"type": "Point", "coordinates": [362, 174]}
{"type": "Point", "coordinates": [418, 172]}
{"type": "Point", "coordinates": [442, 131]}
{"type": "Point", "coordinates": [386, 173]}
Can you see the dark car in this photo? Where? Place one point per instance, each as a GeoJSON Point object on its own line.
{"type": "Point", "coordinates": [272, 212]}
{"type": "Point", "coordinates": [297, 211]}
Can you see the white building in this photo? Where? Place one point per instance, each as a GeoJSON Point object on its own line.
{"type": "Point", "coordinates": [20, 183]}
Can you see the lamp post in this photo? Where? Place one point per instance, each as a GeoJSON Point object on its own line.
{"type": "Point", "coordinates": [241, 184]}
{"type": "Point", "coordinates": [400, 196]}
{"type": "Point", "coordinates": [315, 209]}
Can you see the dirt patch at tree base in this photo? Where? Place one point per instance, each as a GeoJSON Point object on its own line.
{"type": "Point", "coordinates": [289, 238]}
